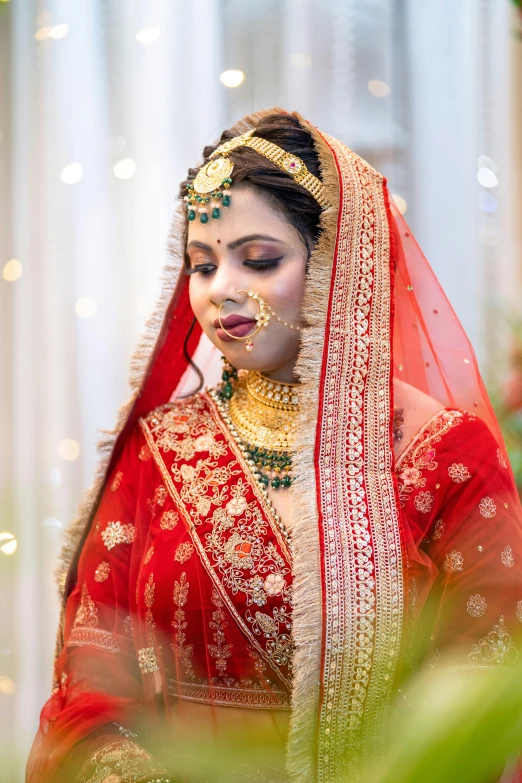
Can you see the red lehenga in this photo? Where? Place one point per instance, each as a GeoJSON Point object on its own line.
{"type": "Point", "coordinates": [186, 601]}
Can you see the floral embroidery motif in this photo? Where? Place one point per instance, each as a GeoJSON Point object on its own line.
{"type": "Point", "coordinates": [87, 614]}
{"type": "Point", "coordinates": [438, 530]}
{"type": "Point", "coordinates": [419, 455]}
{"type": "Point", "coordinates": [169, 520]}
{"type": "Point", "coordinates": [236, 506]}
{"type": "Point", "coordinates": [160, 496]}
{"type": "Point", "coordinates": [507, 557]}
{"type": "Point", "coordinates": [501, 459]}
{"type": "Point", "coordinates": [274, 584]}
{"type": "Point", "coordinates": [458, 473]}
{"type": "Point", "coordinates": [183, 652]}
{"type": "Point", "coordinates": [496, 648]}
{"type": "Point", "coordinates": [117, 761]}
{"type": "Point", "coordinates": [220, 651]}
{"type": "Point", "coordinates": [116, 533]}
{"type": "Point", "coordinates": [487, 508]}
{"type": "Point", "coordinates": [147, 660]}
{"type": "Point", "coordinates": [102, 572]}
{"type": "Point", "coordinates": [183, 552]}
{"type": "Point", "coordinates": [476, 606]}
{"type": "Point", "coordinates": [145, 453]}
{"type": "Point", "coordinates": [453, 561]}
{"type": "Point", "coordinates": [239, 543]}
{"type": "Point", "coordinates": [519, 611]}
{"type": "Point", "coordinates": [116, 481]}
{"type": "Point", "coordinates": [127, 625]}
{"type": "Point", "coordinates": [424, 502]}
{"type": "Point", "coordinates": [149, 555]}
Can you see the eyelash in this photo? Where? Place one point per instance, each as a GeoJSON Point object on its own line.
{"type": "Point", "coordinates": [259, 266]}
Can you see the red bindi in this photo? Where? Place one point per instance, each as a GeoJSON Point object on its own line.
{"type": "Point", "coordinates": [218, 241]}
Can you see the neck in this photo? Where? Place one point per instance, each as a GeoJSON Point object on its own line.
{"type": "Point", "coordinates": [284, 374]}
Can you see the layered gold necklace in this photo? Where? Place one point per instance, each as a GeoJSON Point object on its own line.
{"type": "Point", "coordinates": [264, 413]}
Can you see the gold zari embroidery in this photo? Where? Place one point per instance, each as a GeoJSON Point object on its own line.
{"type": "Point", "coordinates": [496, 648]}
{"type": "Point", "coordinates": [116, 533]}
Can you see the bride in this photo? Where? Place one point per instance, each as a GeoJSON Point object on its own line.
{"type": "Point", "coordinates": [271, 558]}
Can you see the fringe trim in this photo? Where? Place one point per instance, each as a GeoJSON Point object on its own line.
{"type": "Point", "coordinates": [307, 610]}
{"type": "Point", "coordinates": [139, 366]}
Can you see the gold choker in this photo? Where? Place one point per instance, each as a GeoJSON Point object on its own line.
{"type": "Point", "coordinates": [264, 412]}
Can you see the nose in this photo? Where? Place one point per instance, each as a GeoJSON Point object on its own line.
{"type": "Point", "coordinates": [224, 285]}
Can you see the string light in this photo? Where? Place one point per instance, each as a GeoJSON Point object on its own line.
{"type": "Point", "coordinates": [232, 78]}
{"type": "Point", "coordinates": [125, 169]}
{"type": "Point", "coordinates": [12, 270]}
{"type": "Point", "coordinates": [69, 449]}
{"type": "Point", "coordinates": [86, 306]}
{"type": "Point", "coordinates": [400, 203]}
{"type": "Point", "coordinates": [378, 89]}
{"type": "Point", "coordinates": [300, 61]}
{"type": "Point", "coordinates": [487, 202]}
{"type": "Point", "coordinates": [72, 173]}
{"type": "Point", "coordinates": [8, 543]}
{"type": "Point", "coordinates": [147, 35]}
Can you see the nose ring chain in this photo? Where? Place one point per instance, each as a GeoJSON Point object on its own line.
{"type": "Point", "coordinates": [262, 319]}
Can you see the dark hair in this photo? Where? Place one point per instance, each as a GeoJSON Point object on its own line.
{"type": "Point", "coordinates": [289, 198]}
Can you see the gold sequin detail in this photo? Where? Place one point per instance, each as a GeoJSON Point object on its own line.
{"type": "Point", "coordinates": [116, 533]}
{"type": "Point", "coordinates": [116, 481]}
{"type": "Point", "coordinates": [102, 572]}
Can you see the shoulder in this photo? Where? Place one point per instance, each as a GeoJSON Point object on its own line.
{"type": "Point", "coordinates": [179, 412]}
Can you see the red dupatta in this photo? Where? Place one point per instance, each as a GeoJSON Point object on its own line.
{"type": "Point", "coordinates": [374, 312]}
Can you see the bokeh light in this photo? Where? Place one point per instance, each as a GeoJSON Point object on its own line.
{"type": "Point", "coordinates": [8, 543]}
{"type": "Point", "coordinates": [125, 169]}
{"type": "Point", "coordinates": [59, 31]}
{"type": "Point", "coordinates": [487, 202]}
{"type": "Point", "coordinates": [378, 89]}
{"type": "Point", "coordinates": [69, 449]}
{"type": "Point", "coordinates": [7, 685]}
{"type": "Point", "coordinates": [487, 178]}
{"type": "Point", "coordinates": [12, 270]}
{"type": "Point", "coordinates": [147, 35]}
{"type": "Point", "coordinates": [72, 173]}
{"type": "Point", "coordinates": [232, 78]}
{"type": "Point", "coordinates": [86, 306]}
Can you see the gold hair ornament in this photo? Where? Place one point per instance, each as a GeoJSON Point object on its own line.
{"type": "Point", "coordinates": [262, 319]}
{"type": "Point", "coordinates": [214, 178]}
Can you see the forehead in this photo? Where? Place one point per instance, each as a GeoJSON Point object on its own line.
{"type": "Point", "coordinates": [248, 213]}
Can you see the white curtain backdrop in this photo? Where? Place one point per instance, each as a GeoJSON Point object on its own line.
{"type": "Point", "coordinates": [96, 96]}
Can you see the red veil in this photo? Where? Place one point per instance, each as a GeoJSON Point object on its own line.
{"type": "Point", "coordinates": [374, 313]}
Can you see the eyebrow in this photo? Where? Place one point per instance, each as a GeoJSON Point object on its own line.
{"type": "Point", "coordinates": [236, 243]}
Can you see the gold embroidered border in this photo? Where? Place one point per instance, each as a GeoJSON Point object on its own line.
{"type": "Point", "coordinates": [101, 639]}
{"type": "Point", "coordinates": [222, 696]}
{"type": "Point", "coordinates": [362, 564]}
{"type": "Point", "coordinates": [169, 483]}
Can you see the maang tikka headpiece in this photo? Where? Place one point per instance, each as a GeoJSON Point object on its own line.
{"type": "Point", "coordinates": [209, 188]}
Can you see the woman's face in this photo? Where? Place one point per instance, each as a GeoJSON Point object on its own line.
{"type": "Point", "coordinates": [249, 248]}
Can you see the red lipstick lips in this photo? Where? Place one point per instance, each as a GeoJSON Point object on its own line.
{"type": "Point", "coordinates": [237, 325]}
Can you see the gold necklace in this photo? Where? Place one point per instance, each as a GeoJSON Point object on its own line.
{"type": "Point", "coordinates": [264, 415]}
